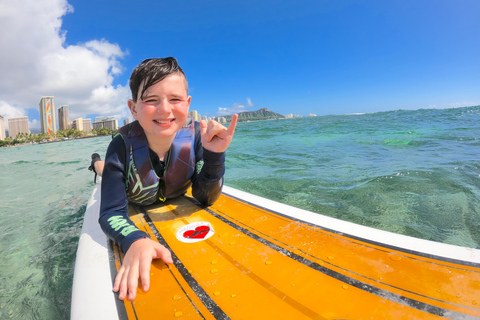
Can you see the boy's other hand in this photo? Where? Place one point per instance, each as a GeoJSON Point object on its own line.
{"type": "Point", "coordinates": [136, 264]}
{"type": "Point", "coordinates": [215, 137]}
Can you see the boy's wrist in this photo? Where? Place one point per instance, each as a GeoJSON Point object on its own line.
{"type": "Point", "coordinates": [131, 238]}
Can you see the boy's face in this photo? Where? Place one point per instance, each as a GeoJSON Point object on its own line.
{"type": "Point", "coordinates": [163, 109]}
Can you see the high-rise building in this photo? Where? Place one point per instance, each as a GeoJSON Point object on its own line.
{"type": "Point", "coordinates": [194, 114]}
{"type": "Point", "coordinates": [2, 128]}
{"type": "Point", "coordinates": [127, 121]}
{"type": "Point", "coordinates": [17, 125]}
{"type": "Point", "coordinates": [63, 120]}
{"type": "Point", "coordinates": [82, 124]}
{"type": "Point", "coordinates": [111, 124]}
{"type": "Point", "coordinates": [105, 122]}
{"type": "Point", "coordinates": [47, 115]}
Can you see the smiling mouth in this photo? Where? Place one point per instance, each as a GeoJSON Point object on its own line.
{"type": "Point", "coordinates": [164, 121]}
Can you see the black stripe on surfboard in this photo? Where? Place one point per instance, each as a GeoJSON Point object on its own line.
{"type": "Point", "coordinates": [422, 306]}
{"type": "Point", "coordinates": [121, 310]}
{"type": "Point", "coordinates": [211, 305]}
{"type": "Point", "coordinates": [372, 242]}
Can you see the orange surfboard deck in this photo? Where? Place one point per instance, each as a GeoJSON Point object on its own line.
{"type": "Point", "coordinates": [239, 259]}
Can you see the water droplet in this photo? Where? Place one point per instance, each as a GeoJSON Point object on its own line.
{"type": "Point", "coordinates": [178, 314]}
{"type": "Point", "coordinates": [459, 295]}
{"type": "Point", "coordinates": [152, 274]}
{"type": "Point", "coordinates": [345, 286]}
{"type": "Point", "coordinates": [268, 262]}
{"type": "Point", "coordinates": [214, 271]}
{"type": "Point", "coordinates": [233, 295]}
{"type": "Point", "coordinates": [395, 257]}
{"type": "Point", "coordinates": [331, 257]}
{"type": "Point", "coordinates": [176, 297]}
{"type": "Point", "coordinates": [217, 293]}
{"type": "Point", "coordinates": [214, 261]}
{"type": "Point", "coordinates": [474, 302]}
{"type": "Point", "coordinates": [232, 243]}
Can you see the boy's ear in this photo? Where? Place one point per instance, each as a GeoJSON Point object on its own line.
{"type": "Point", "coordinates": [132, 107]}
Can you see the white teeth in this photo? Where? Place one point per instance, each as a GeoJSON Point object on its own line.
{"type": "Point", "coordinates": [162, 122]}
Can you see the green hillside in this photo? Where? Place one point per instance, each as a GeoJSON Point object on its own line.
{"type": "Point", "coordinates": [262, 114]}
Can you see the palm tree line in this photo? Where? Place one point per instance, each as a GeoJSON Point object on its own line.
{"type": "Point", "coordinates": [31, 138]}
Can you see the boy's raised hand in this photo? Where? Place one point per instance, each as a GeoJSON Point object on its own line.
{"type": "Point", "coordinates": [136, 264]}
{"type": "Point", "coordinates": [215, 137]}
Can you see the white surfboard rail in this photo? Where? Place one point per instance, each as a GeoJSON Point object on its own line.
{"type": "Point", "coordinates": [92, 296]}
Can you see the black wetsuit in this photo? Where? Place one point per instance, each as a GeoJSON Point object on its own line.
{"type": "Point", "coordinates": [114, 221]}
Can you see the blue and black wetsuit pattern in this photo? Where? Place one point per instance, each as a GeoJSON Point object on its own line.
{"type": "Point", "coordinates": [196, 167]}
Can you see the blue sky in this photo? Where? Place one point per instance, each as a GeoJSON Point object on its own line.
{"type": "Point", "coordinates": [301, 57]}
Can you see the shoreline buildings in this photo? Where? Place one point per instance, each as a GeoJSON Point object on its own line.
{"type": "Point", "coordinates": [63, 120]}
{"type": "Point", "coordinates": [82, 124]}
{"type": "Point", "coordinates": [47, 116]}
{"type": "Point", "coordinates": [17, 125]}
{"type": "Point", "coordinates": [105, 122]}
{"type": "Point", "coordinates": [2, 128]}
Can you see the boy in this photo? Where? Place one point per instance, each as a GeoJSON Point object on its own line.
{"type": "Point", "coordinates": [158, 156]}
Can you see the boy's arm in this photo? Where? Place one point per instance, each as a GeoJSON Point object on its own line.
{"type": "Point", "coordinates": [207, 181]}
{"type": "Point", "coordinates": [114, 219]}
{"type": "Point", "coordinates": [138, 248]}
{"type": "Point", "coordinates": [210, 154]}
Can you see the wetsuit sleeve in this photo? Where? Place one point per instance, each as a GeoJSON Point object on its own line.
{"type": "Point", "coordinates": [207, 181]}
{"type": "Point", "coordinates": [114, 219]}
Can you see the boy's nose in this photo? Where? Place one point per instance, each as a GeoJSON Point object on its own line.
{"type": "Point", "coordinates": [163, 107]}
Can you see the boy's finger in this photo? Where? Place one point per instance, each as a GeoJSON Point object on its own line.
{"type": "Point", "coordinates": [132, 283]}
{"type": "Point", "coordinates": [122, 294]}
{"type": "Point", "coordinates": [118, 279]}
{"type": "Point", "coordinates": [213, 130]}
{"type": "Point", "coordinates": [145, 276]}
{"type": "Point", "coordinates": [166, 256]}
{"type": "Point", "coordinates": [233, 125]}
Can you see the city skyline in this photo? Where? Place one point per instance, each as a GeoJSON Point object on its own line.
{"type": "Point", "coordinates": [319, 57]}
{"type": "Point", "coordinates": [47, 109]}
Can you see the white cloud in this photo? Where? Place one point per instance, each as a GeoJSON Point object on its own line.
{"type": "Point", "coordinates": [237, 107]}
{"type": "Point", "coordinates": [37, 63]}
{"type": "Point", "coordinates": [9, 111]}
{"type": "Point", "coordinates": [249, 102]}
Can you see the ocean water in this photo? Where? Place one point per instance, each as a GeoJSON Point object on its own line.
{"type": "Point", "coordinates": [410, 172]}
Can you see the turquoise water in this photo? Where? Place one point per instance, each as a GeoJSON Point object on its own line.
{"type": "Point", "coordinates": [410, 172]}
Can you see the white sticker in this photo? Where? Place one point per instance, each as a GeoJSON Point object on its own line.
{"type": "Point", "coordinates": [195, 232]}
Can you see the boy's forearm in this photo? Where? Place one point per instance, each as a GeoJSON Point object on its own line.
{"type": "Point", "coordinates": [120, 229]}
{"type": "Point", "coordinates": [208, 184]}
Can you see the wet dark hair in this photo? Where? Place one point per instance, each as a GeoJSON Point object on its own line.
{"type": "Point", "coordinates": [152, 71]}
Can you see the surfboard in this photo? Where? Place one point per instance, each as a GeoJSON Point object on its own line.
{"type": "Point", "coordinates": [247, 257]}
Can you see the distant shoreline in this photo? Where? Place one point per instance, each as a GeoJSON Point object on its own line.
{"type": "Point", "coordinates": [49, 141]}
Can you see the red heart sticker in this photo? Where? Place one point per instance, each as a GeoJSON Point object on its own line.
{"type": "Point", "coordinates": [195, 232]}
{"type": "Point", "coordinates": [199, 232]}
